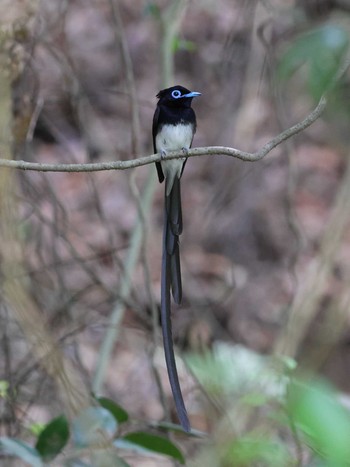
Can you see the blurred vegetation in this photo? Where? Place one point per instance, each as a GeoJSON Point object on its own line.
{"type": "Point", "coordinates": [264, 325]}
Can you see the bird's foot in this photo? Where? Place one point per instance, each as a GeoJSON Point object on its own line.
{"type": "Point", "coordinates": [162, 154]}
{"type": "Point", "coordinates": [185, 151]}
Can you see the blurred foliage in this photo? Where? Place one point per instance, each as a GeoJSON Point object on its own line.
{"type": "Point", "coordinates": [146, 442]}
{"type": "Point", "coordinates": [268, 407]}
{"type": "Point", "coordinates": [251, 449]}
{"type": "Point", "coordinates": [36, 428]}
{"type": "Point", "coordinates": [272, 414]}
{"type": "Point", "coordinates": [118, 412]}
{"type": "Point", "coordinates": [321, 419]}
{"type": "Point", "coordinates": [88, 430]}
{"type": "Point", "coordinates": [323, 50]}
{"type": "Point", "coordinates": [53, 438]}
{"type": "Point", "coordinates": [4, 387]}
{"type": "Point", "coordinates": [182, 44]}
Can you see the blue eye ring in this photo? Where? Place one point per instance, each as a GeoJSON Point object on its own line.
{"type": "Point", "coordinates": [176, 94]}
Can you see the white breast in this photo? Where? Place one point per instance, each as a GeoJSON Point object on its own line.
{"type": "Point", "coordinates": [172, 138]}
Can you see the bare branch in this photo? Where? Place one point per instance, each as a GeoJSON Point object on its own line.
{"type": "Point", "coordinates": [204, 151]}
{"type": "Point", "coordinates": [129, 75]}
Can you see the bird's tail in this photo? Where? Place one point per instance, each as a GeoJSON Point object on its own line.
{"type": "Point", "coordinates": [173, 226]}
{"type": "Point", "coordinates": [171, 280]}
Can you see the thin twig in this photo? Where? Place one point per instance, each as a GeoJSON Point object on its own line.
{"type": "Point", "coordinates": [129, 75]}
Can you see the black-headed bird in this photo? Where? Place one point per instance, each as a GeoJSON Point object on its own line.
{"type": "Point", "coordinates": [174, 125]}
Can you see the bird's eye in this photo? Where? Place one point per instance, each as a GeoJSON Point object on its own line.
{"type": "Point", "coordinates": [176, 94]}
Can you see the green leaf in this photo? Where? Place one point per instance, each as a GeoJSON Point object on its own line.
{"type": "Point", "coordinates": [142, 441]}
{"type": "Point", "coordinates": [182, 44]}
{"type": "Point", "coordinates": [323, 420]}
{"type": "Point", "coordinates": [323, 49]}
{"type": "Point", "coordinates": [22, 450]}
{"type": "Point", "coordinates": [4, 387]}
{"type": "Point", "coordinates": [92, 426]}
{"type": "Point", "coordinates": [253, 449]}
{"type": "Point", "coordinates": [36, 428]}
{"type": "Point", "coordinates": [121, 443]}
{"type": "Point", "coordinates": [118, 412]}
{"type": "Point", "coordinates": [152, 9]}
{"type": "Point", "coordinates": [53, 438]}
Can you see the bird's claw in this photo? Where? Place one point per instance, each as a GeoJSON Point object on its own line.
{"type": "Point", "coordinates": [162, 154]}
{"type": "Point", "coordinates": [185, 151]}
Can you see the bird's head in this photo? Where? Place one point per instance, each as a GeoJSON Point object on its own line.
{"type": "Point", "coordinates": [177, 96]}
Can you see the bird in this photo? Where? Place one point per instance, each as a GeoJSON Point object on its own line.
{"type": "Point", "coordinates": [173, 129]}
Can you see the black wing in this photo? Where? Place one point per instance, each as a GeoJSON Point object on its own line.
{"type": "Point", "coordinates": [154, 134]}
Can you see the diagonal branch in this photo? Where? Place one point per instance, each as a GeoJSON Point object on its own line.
{"type": "Point", "coordinates": [204, 151]}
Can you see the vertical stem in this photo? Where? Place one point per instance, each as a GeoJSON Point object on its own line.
{"type": "Point", "coordinates": [119, 308]}
{"type": "Point", "coordinates": [170, 23]}
{"type": "Point", "coordinates": [130, 79]}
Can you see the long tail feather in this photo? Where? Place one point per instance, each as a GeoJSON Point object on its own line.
{"type": "Point", "coordinates": [171, 279]}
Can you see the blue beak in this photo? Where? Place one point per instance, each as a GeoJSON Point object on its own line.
{"type": "Point", "coordinates": [192, 94]}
